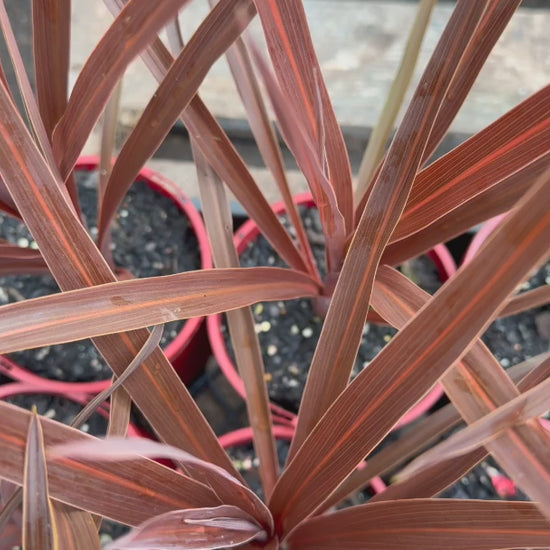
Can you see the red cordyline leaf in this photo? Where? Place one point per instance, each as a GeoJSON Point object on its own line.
{"type": "Point", "coordinates": [139, 303]}
{"type": "Point", "coordinates": [389, 458]}
{"type": "Point", "coordinates": [421, 435]}
{"type": "Point", "coordinates": [75, 529]}
{"type": "Point", "coordinates": [38, 525]}
{"type": "Point", "coordinates": [524, 444]}
{"type": "Point", "coordinates": [299, 74]}
{"type": "Point", "coordinates": [119, 410]}
{"type": "Point", "coordinates": [130, 33]}
{"type": "Point", "coordinates": [51, 47]}
{"type": "Point", "coordinates": [216, 33]}
{"type": "Point", "coordinates": [493, 22]}
{"type": "Point", "coordinates": [526, 300]}
{"type": "Point", "coordinates": [199, 529]}
{"type": "Point", "coordinates": [341, 334]}
{"type": "Point", "coordinates": [398, 301]}
{"type": "Point", "coordinates": [526, 406]}
{"type": "Point", "coordinates": [223, 157]}
{"type": "Point", "coordinates": [249, 89]}
{"type": "Point", "coordinates": [140, 490]}
{"type": "Point", "coordinates": [226, 487]}
{"type": "Point", "coordinates": [27, 95]}
{"type": "Point", "coordinates": [413, 361]}
{"type": "Point", "coordinates": [432, 481]}
{"type": "Point", "coordinates": [497, 199]}
{"type": "Point", "coordinates": [6, 202]}
{"type": "Point", "coordinates": [305, 150]}
{"type": "Point", "coordinates": [219, 224]}
{"type": "Point", "coordinates": [76, 262]}
{"type": "Point", "coordinates": [427, 524]}
{"type": "Point", "coordinates": [512, 142]}
{"type": "Point", "coordinates": [17, 266]}
{"type": "Point", "coordinates": [9, 250]}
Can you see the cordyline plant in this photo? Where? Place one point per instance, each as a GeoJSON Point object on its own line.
{"type": "Point", "coordinates": [399, 207]}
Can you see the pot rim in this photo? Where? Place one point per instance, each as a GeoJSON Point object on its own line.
{"type": "Point", "coordinates": [481, 236]}
{"type": "Point", "coordinates": [177, 347]}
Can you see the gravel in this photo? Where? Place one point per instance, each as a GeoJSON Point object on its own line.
{"type": "Point", "coordinates": [147, 245]}
{"type": "Point", "coordinates": [289, 331]}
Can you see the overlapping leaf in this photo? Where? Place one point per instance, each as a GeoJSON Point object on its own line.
{"type": "Point", "coordinates": [299, 74]}
{"type": "Point", "coordinates": [342, 329]}
{"type": "Point", "coordinates": [420, 436]}
{"type": "Point", "coordinates": [75, 262]}
{"type": "Point", "coordinates": [413, 361]}
{"type": "Point", "coordinates": [199, 529]}
{"type": "Point", "coordinates": [249, 360]}
{"type": "Point", "coordinates": [262, 128]}
{"type": "Point", "coordinates": [216, 33]}
{"type": "Point", "coordinates": [526, 406]}
{"type": "Point", "coordinates": [426, 524]}
{"type": "Point", "coordinates": [493, 22]}
{"type": "Point", "coordinates": [386, 121]}
{"type": "Point", "coordinates": [511, 143]}
{"type": "Point", "coordinates": [131, 32]}
{"type": "Point", "coordinates": [488, 387]}
{"type": "Point", "coordinates": [432, 481]}
{"type": "Point", "coordinates": [139, 303]}
{"type": "Point", "coordinates": [25, 88]}
{"type": "Point", "coordinates": [497, 199]}
{"type": "Point", "coordinates": [305, 152]}
{"type": "Point", "coordinates": [222, 156]}
{"type": "Point", "coordinates": [143, 488]}
{"type": "Point", "coordinates": [226, 487]}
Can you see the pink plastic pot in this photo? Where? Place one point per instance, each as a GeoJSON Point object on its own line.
{"type": "Point", "coordinates": [19, 388]}
{"type": "Point", "coordinates": [189, 351]}
{"type": "Point", "coordinates": [481, 236]}
{"type": "Point", "coordinates": [244, 436]}
{"type": "Point", "coordinates": [247, 233]}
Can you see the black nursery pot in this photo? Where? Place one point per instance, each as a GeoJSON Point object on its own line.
{"type": "Point", "coordinates": [189, 349]}
{"type": "Point", "coordinates": [249, 233]}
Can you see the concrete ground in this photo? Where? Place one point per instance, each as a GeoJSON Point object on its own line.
{"type": "Point", "coordinates": [359, 43]}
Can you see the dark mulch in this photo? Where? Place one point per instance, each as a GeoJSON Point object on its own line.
{"type": "Point", "coordinates": [150, 237]}
{"type": "Point", "coordinates": [482, 483]}
{"type": "Point", "coordinates": [246, 462]}
{"type": "Point", "coordinates": [519, 337]}
{"type": "Point", "coordinates": [289, 331]}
